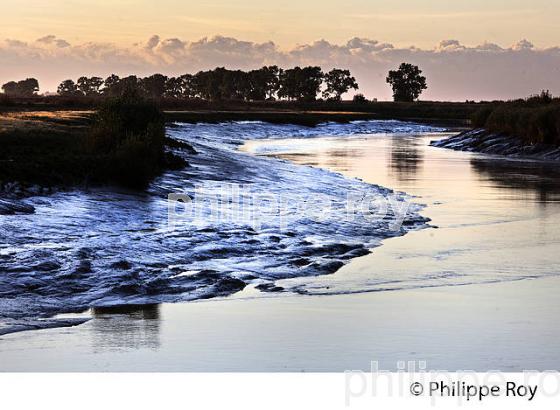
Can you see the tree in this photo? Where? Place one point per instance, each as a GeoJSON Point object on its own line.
{"type": "Point", "coordinates": [154, 86]}
{"type": "Point", "coordinates": [90, 86]}
{"type": "Point", "coordinates": [302, 84]}
{"type": "Point", "coordinates": [129, 84]}
{"type": "Point", "coordinates": [407, 82]}
{"type": "Point", "coordinates": [263, 83]}
{"type": "Point", "coordinates": [207, 84]}
{"type": "Point", "coordinates": [174, 87]}
{"type": "Point", "coordinates": [188, 86]}
{"type": "Point", "coordinates": [180, 87]}
{"type": "Point", "coordinates": [10, 88]}
{"type": "Point", "coordinates": [337, 83]}
{"type": "Point", "coordinates": [115, 86]}
{"type": "Point", "coordinates": [68, 88]}
{"type": "Point", "coordinates": [23, 88]}
{"type": "Point", "coordinates": [311, 83]}
{"type": "Point", "coordinates": [111, 85]}
{"type": "Point", "coordinates": [359, 99]}
{"type": "Point", "coordinates": [28, 88]}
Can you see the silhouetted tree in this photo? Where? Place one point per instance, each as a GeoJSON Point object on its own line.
{"type": "Point", "coordinates": [115, 86]}
{"type": "Point", "coordinates": [338, 82]}
{"type": "Point", "coordinates": [29, 87]}
{"type": "Point", "coordinates": [10, 88]}
{"type": "Point", "coordinates": [23, 88]}
{"type": "Point", "coordinates": [154, 86]}
{"type": "Point", "coordinates": [130, 84]}
{"type": "Point", "coordinates": [206, 85]}
{"type": "Point", "coordinates": [264, 83]}
{"type": "Point", "coordinates": [111, 85]}
{"type": "Point", "coordinates": [233, 85]}
{"type": "Point", "coordinates": [407, 82]}
{"type": "Point", "coordinates": [174, 88]}
{"type": "Point", "coordinates": [180, 87]}
{"type": "Point", "coordinates": [188, 85]}
{"type": "Point", "coordinates": [68, 88]}
{"type": "Point", "coordinates": [302, 84]}
{"type": "Point", "coordinates": [360, 99]}
{"type": "Point", "coordinates": [221, 84]}
{"type": "Point", "coordinates": [90, 86]}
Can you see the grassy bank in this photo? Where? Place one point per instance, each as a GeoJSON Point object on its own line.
{"type": "Point", "coordinates": [535, 120]}
{"type": "Point", "coordinates": [123, 143]}
{"type": "Point", "coordinates": [195, 110]}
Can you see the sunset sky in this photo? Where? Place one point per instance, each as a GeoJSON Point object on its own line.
{"type": "Point", "coordinates": [103, 36]}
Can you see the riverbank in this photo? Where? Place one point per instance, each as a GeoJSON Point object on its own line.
{"type": "Point", "coordinates": [122, 144]}
{"type": "Point", "coordinates": [277, 111]}
{"type": "Point", "coordinates": [48, 150]}
{"type": "Point", "coordinates": [487, 142]}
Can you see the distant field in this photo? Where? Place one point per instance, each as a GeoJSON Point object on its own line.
{"type": "Point", "coordinates": [274, 111]}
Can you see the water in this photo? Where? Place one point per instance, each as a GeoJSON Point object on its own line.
{"type": "Point", "coordinates": [107, 248]}
{"type": "Point", "coordinates": [496, 230]}
{"type": "Point", "coordinates": [497, 219]}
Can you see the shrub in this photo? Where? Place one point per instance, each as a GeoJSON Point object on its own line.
{"type": "Point", "coordinates": [532, 123]}
{"type": "Point", "coordinates": [129, 137]}
{"type": "Point", "coordinates": [125, 145]}
{"type": "Point", "coordinates": [360, 99]}
{"type": "Point", "coordinates": [480, 116]}
{"type": "Point", "coordinates": [545, 97]}
{"type": "Point", "coordinates": [124, 117]}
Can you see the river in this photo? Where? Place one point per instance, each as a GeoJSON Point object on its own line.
{"type": "Point", "coordinates": [469, 275]}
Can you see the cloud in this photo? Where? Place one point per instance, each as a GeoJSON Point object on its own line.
{"type": "Point", "coordinates": [524, 45]}
{"type": "Point", "coordinates": [53, 40]}
{"type": "Point", "coordinates": [152, 42]}
{"type": "Point", "coordinates": [450, 45]}
{"type": "Point", "coordinates": [367, 46]}
{"type": "Point", "coordinates": [455, 71]}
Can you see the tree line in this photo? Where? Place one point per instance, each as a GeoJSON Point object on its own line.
{"type": "Point", "coordinates": [266, 83]}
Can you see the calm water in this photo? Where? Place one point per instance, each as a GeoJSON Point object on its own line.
{"type": "Point", "coordinates": [497, 220]}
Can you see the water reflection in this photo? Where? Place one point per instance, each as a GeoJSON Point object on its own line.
{"type": "Point", "coordinates": [126, 327]}
{"type": "Point", "coordinates": [406, 158]}
{"type": "Point", "coordinates": [539, 179]}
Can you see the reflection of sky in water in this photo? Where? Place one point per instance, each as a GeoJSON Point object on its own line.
{"type": "Point", "coordinates": [496, 217]}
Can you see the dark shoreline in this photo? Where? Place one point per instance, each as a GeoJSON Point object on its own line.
{"type": "Point", "coordinates": [486, 142]}
{"type": "Point", "coordinates": [305, 118]}
{"type": "Point", "coordinates": [298, 112]}
{"type": "Point", "coordinates": [45, 148]}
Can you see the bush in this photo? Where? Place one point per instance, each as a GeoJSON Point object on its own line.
{"type": "Point", "coordinates": [124, 117]}
{"type": "Point", "coordinates": [124, 146]}
{"type": "Point", "coordinates": [129, 132]}
{"type": "Point", "coordinates": [531, 121]}
{"type": "Point", "coordinates": [480, 116]}
{"type": "Point", "coordinates": [545, 97]}
{"type": "Point", "coordinates": [360, 99]}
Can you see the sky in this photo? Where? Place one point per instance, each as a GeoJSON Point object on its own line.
{"type": "Point", "coordinates": [508, 47]}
